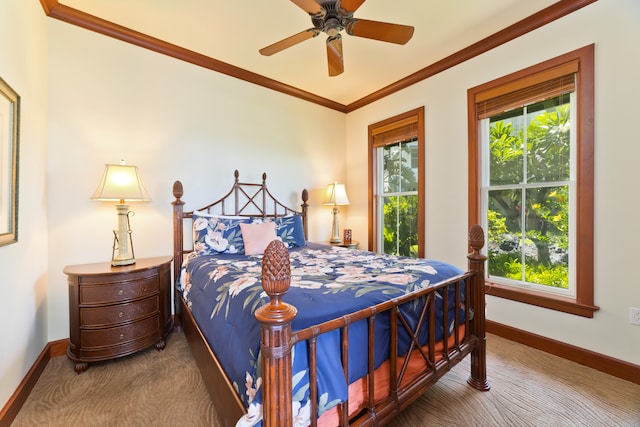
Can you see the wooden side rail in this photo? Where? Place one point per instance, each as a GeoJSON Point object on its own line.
{"type": "Point", "coordinates": [278, 340]}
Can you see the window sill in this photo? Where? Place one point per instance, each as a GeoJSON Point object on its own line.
{"type": "Point", "coordinates": [552, 302]}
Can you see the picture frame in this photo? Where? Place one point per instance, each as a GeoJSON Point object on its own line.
{"type": "Point", "coordinates": [9, 149]}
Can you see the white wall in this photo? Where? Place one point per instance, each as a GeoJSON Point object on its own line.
{"type": "Point", "coordinates": [613, 26]}
{"type": "Point", "coordinates": [23, 265]}
{"type": "Point", "coordinates": [109, 100]}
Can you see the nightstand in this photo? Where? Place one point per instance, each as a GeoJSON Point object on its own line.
{"type": "Point", "coordinates": [116, 311]}
{"type": "Point", "coordinates": [351, 245]}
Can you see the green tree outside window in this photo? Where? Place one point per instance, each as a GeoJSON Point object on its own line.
{"type": "Point", "coordinates": [529, 193]}
{"type": "Point", "coordinates": [400, 198]}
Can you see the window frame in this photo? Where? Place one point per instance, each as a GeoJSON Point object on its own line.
{"type": "Point", "coordinates": [378, 133]}
{"type": "Point", "coordinates": [583, 303]}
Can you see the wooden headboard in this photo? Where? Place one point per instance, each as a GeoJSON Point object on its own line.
{"type": "Point", "coordinates": [244, 199]}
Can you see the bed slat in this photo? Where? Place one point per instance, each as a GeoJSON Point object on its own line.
{"type": "Point", "coordinates": [344, 407]}
{"type": "Point", "coordinates": [313, 385]}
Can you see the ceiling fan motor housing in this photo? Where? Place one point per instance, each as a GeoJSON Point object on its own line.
{"type": "Point", "coordinates": [334, 19]}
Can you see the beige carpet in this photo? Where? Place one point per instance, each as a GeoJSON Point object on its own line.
{"type": "Point", "coordinates": [529, 388]}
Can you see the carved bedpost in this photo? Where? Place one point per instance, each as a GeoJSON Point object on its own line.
{"type": "Point", "coordinates": [275, 319]}
{"type": "Point", "coordinates": [305, 205]}
{"type": "Point", "coordinates": [236, 185]}
{"type": "Point", "coordinates": [178, 232]}
{"type": "Point", "coordinates": [478, 378]}
{"type": "Point", "coordinates": [265, 192]}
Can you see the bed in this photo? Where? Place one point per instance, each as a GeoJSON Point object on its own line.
{"type": "Point", "coordinates": [290, 332]}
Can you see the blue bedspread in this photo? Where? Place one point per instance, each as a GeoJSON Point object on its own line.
{"type": "Point", "coordinates": [223, 292]}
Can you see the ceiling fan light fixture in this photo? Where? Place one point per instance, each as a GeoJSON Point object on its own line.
{"type": "Point", "coordinates": [332, 27]}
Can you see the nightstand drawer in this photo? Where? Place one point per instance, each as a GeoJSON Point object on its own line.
{"type": "Point", "coordinates": [119, 335]}
{"type": "Point", "coordinates": [123, 291]}
{"type": "Point", "coordinates": [100, 316]}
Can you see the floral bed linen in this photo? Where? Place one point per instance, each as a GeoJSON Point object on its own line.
{"type": "Point", "coordinates": [223, 291]}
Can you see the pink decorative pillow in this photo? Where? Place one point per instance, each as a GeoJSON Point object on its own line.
{"type": "Point", "coordinates": [257, 236]}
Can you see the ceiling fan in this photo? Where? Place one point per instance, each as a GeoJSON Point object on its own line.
{"type": "Point", "coordinates": [333, 16]}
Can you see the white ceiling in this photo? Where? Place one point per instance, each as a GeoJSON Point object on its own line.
{"type": "Point", "coordinates": [233, 31]}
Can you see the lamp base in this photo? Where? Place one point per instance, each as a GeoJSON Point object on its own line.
{"type": "Point", "coordinates": [117, 262]}
{"type": "Point", "coordinates": [335, 228]}
{"type": "Point", "coordinates": [122, 241]}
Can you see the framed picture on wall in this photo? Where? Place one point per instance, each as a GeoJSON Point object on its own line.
{"type": "Point", "coordinates": [9, 136]}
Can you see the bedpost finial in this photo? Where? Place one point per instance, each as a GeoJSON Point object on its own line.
{"type": "Point", "coordinates": [276, 269]}
{"type": "Point", "coordinates": [177, 190]}
{"type": "Point", "coordinates": [236, 174]}
{"type": "Point", "coordinates": [476, 237]}
{"type": "Point", "coordinates": [264, 177]}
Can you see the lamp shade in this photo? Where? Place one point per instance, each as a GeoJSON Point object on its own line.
{"type": "Point", "coordinates": [336, 195]}
{"type": "Point", "coordinates": [119, 183]}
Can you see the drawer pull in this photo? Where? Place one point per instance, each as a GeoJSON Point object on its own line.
{"type": "Point", "coordinates": [121, 336]}
{"type": "Point", "coordinates": [121, 314]}
{"type": "Point", "coordinates": [121, 292]}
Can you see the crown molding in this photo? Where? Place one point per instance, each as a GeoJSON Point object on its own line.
{"type": "Point", "coordinates": [53, 9]}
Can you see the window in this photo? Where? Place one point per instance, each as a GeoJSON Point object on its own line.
{"type": "Point", "coordinates": [397, 200]}
{"type": "Point", "coordinates": [396, 172]}
{"type": "Point", "coordinates": [531, 182]}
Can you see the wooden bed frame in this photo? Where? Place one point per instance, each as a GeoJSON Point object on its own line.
{"type": "Point", "coordinates": [277, 338]}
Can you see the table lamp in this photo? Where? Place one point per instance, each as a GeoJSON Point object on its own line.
{"type": "Point", "coordinates": [121, 183]}
{"type": "Point", "coordinates": [336, 196]}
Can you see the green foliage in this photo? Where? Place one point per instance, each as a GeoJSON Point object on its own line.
{"type": "Point", "coordinates": [506, 153]}
{"type": "Point", "coordinates": [505, 265]}
{"type": "Point", "coordinates": [556, 275]}
{"type": "Point", "coordinates": [497, 226]}
{"type": "Point", "coordinates": [400, 232]}
{"type": "Point", "coordinates": [541, 151]}
{"type": "Point", "coordinates": [400, 225]}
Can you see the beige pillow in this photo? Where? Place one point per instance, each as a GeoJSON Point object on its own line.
{"type": "Point", "coordinates": [257, 236]}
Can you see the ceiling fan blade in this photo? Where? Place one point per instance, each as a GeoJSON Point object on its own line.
{"type": "Point", "coordinates": [350, 6]}
{"type": "Point", "coordinates": [334, 55]}
{"type": "Point", "coordinates": [383, 31]}
{"type": "Point", "coordinates": [289, 41]}
{"type": "Point", "coordinates": [310, 6]}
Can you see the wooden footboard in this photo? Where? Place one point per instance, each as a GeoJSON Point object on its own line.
{"type": "Point", "coordinates": [278, 340]}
